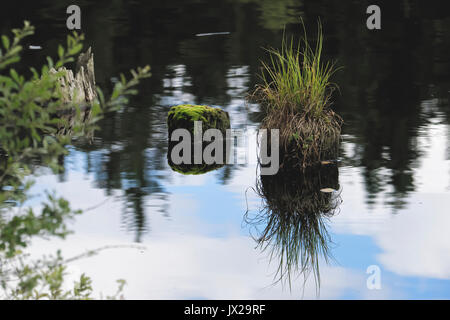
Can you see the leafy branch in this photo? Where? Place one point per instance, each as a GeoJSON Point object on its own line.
{"type": "Point", "coordinates": [36, 125]}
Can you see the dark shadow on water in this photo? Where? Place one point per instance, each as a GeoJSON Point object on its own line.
{"type": "Point", "coordinates": [291, 223]}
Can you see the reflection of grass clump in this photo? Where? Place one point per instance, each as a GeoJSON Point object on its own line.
{"type": "Point", "coordinates": [295, 96]}
{"type": "Point", "coordinates": [293, 217]}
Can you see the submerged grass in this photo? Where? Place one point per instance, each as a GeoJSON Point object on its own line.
{"type": "Point", "coordinates": [295, 96]}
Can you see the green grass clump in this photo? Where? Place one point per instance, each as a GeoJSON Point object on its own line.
{"type": "Point", "coordinates": [297, 78]}
{"type": "Point", "coordinates": [295, 96]}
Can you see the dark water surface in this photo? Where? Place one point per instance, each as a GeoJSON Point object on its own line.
{"type": "Point", "coordinates": [394, 175]}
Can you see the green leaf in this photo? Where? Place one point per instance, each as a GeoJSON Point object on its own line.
{"type": "Point", "coordinates": [50, 62]}
{"type": "Point", "coordinates": [9, 61]}
{"type": "Point", "coordinates": [14, 75]}
{"type": "Point", "coordinates": [60, 51]}
{"type": "Point", "coordinates": [5, 41]}
{"type": "Point", "coordinates": [76, 49]}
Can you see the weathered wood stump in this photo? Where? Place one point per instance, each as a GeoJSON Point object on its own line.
{"type": "Point", "coordinates": [77, 89]}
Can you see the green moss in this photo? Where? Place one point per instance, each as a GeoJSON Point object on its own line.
{"type": "Point", "coordinates": [183, 116]}
{"type": "Point", "coordinates": [189, 112]}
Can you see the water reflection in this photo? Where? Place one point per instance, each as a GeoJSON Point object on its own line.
{"type": "Point", "coordinates": [192, 168]}
{"type": "Point", "coordinates": [292, 222]}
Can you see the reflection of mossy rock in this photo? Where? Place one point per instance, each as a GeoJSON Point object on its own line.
{"type": "Point", "coordinates": [183, 116]}
{"type": "Point", "coordinates": [194, 169]}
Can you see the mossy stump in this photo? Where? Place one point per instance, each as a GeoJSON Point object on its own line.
{"type": "Point", "coordinates": [306, 141]}
{"type": "Point", "coordinates": [183, 117]}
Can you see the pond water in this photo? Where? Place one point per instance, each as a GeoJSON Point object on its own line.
{"type": "Point", "coordinates": [174, 236]}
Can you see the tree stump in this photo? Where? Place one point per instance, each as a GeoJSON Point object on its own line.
{"type": "Point", "coordinates": [79, 88]}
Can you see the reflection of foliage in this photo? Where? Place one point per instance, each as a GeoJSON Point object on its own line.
{"type": "Point", "coordinates": [29, 132]}
{"type": "Point", "coordinates": [382, 106]}
{"type": "Point", "coordinates": [276, 14]}
{"type": "Point", "coordinates": [294, 216]}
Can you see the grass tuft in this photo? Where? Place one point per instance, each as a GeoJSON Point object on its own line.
{"type": "Point", "coordinates": [296, 97]}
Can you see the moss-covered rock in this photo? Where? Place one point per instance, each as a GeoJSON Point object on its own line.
{"type": "Point", "coordinates": [183, 116]}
